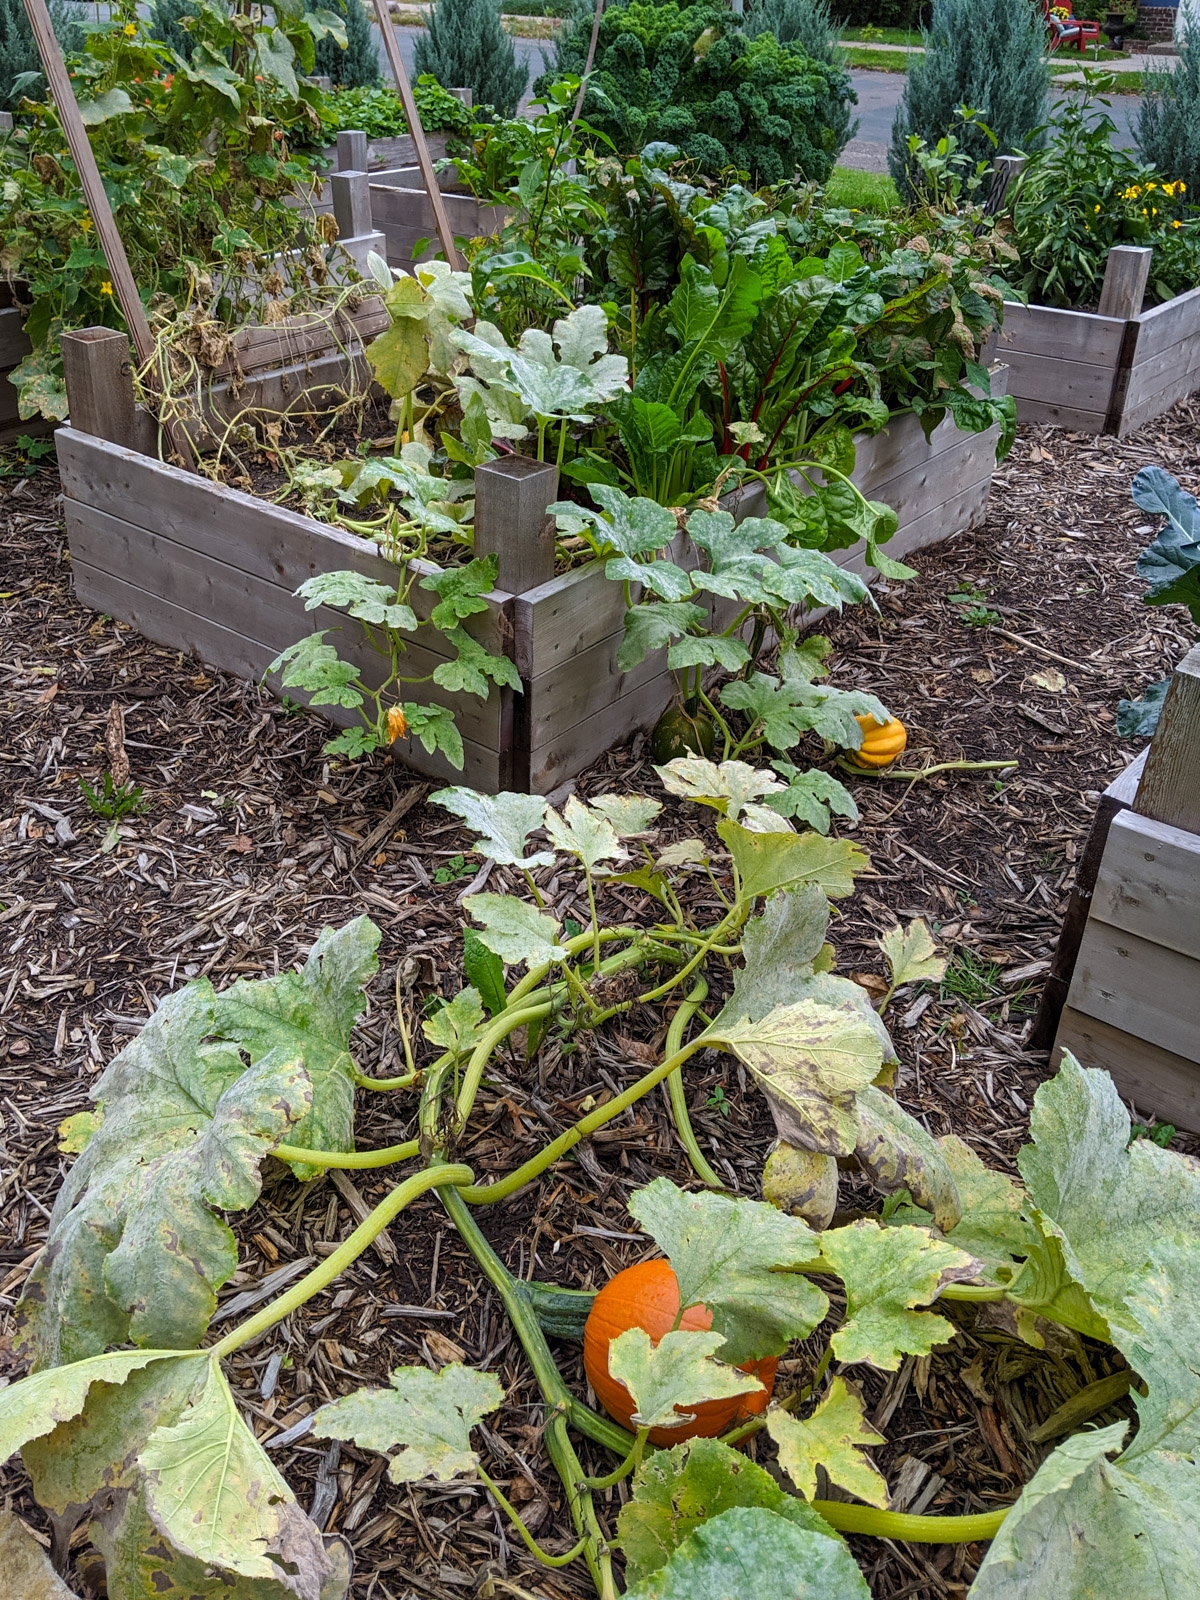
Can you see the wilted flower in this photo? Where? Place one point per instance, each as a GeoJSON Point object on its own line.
{"type": "Point", "coordinates": [397, 723]}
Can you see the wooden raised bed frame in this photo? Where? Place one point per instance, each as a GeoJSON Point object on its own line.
{"type": "Point", "coordinates": [1109, 371]}
{"type": "Point", "coordinates": [210, 570]}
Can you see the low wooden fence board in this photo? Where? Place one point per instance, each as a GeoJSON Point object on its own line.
{"type": "Point", "coordinates": [213, 571]}
{"type": "Point", "coordinates": [14, 347]}
{"type": "Point", "coordinates": [401, 211]}
{"type": "Point", "coordinates": [1133, 1005]}
{"type": "Point", "coordinates": [1094, 374]}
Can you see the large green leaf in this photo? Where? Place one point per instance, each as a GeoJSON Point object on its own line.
{"type": "Point", "coordinates": [1111, 1203]}
{"type": "Point", "coordinates": [213, 1491]}
{"type": "Point", "coordinates": [676, 1490]}
{"type": "Point", "coordinates": [515, 930]}
{"type": "Point", "coordinates": [400, 354]}
{"type": "Point", "coordinates": [833, 1438]}
{"type": "Point", "coordinates": [36, 1405]}
{"type": "Point", "coordinates": [770, 861]}
{"type": "Point", "coordinates": [734, 1256]}
{"type": "Point", "coordinates": [898, 1153]}
{"type": "Point", "coordinates": [888, 1271]}
{"type": "Point", "coordinates": [671, 1377]}
{"type": "Point", "coordinates": [502, 822]}
{"type": "Point", "coordinates": [747, 1553]}
{"type": "Point", "coordinates": [311, 1013]}
{"type": "Point", "coordinates": [727, 786]}
{"type": "Point", "coordinates": [992, 1226]}
{"type": "Point", "coordinates": [653, 627]}
{"type": "Point", "coordinates": [430, 1414]}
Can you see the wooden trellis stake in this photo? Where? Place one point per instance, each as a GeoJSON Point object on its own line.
{"type": "Point", "coordinates": [415, 128]}
{"type": "Point", "coordinates": [124, 286]}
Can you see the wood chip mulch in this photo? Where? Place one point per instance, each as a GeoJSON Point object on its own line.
{"type": "Point", "coordinates": [251, 842]}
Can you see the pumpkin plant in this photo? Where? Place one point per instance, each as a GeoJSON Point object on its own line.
{"type": "Point", "coordinates": [127, 1417]}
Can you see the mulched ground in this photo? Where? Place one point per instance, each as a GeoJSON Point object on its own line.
{"type": "Point", "coordinates": [251, 842]}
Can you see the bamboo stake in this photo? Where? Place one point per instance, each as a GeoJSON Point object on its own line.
{"type": "Point", "coordinates": [124, 286]}
{"type": "Point", "coordinates": [591, 56]}
{"type": "Point", "coordinates": [413, 117]}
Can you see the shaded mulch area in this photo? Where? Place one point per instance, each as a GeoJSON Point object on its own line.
{"type": "Point", "coordinates": [251, 842]}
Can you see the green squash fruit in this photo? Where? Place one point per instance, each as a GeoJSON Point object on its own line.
{"type": "Point", "coordinates": [679, 732]}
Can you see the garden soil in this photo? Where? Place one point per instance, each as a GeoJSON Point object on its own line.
{"type": "Point", "coordinates": [251, 841]}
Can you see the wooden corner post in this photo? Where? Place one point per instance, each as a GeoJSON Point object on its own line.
{"type": "Point", "coordinates": [511, 496]}
{"type": "Point", "coordinates": [1125, 278]}
{"type": "Point", "coordinates": [99, 379]}
{"type": "Point", "coordinates": [1170, 788]}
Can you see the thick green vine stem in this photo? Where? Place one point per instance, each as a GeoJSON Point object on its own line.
{"type": "Point", "coordinates": [630, 1464]}
{"type": "Point", "coordinates": [344, 1256]}
{"type": "Point", "coordinates": [354, 1159]}
{"type": "Point", "coordinates": [677, 1093]}
{"type": "Point", "coordinates": [530, 1542]}
{"type": "Point", "coordinates": [911, 1530]}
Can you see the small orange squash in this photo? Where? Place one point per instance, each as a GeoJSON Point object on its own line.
{"type": "Point", "coordinates": [880, 746]}
{"type": "Point", "coordinates": [647, 1296]}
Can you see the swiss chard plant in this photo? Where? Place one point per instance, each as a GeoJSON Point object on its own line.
{"type": "Point", "coordinates": [1171, 568]}
{"type": "Point", "coordinates": [128, 1420]}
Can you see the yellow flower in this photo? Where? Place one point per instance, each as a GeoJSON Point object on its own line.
{"type": "Point", "coordinates": [1181, 186]}
{"type": "Point", "coordinates": [397, 723]}
{"type": "Point", "coordinates": [106, 287]}
{"type": "Point", "coordinates": [1097, 208]}
{"type": "Point", "coordinates": [85, 222]}
{"type": "Point", "coordinates": [130, 30]}
{"type": "Point", "coordinates": [1150, 186]}
{"type": "Point", "coordinates": [1177, 224]}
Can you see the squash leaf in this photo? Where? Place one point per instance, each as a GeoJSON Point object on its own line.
{"type": "Point", "coordinates": [727, 786]}
{"type": "Point", "coordinates": [898, 1153]}
{"type": "Point", "coordinates": [429, 1414]}
{"type": "Point", "coordinates": [831, 1438]}
{"type": "Point", "coordinates": [667, 1378]}
{"type": "Point", "coordinates": [888, 1271]}
{"type": "Point", "coordinates": [676, 1490]}
{"type": "Point", "coordinates": [502, 823]}
{"type": "Point", "coordinates": [458, 1024]}
{"type": "Point", "coordinates": [36, 1405]}
{"type": "Point", "coordinates": [770, 861]}
{"type": "Point", "coordinates": [911, 954]}
{"type": "Point", "coordinates": [629, 814]}
{"type": "Point", "coordinates": [991, 1226]}
{"type": "Point", "coordinates": [515, 930]}
{"type": "Point", "coordinates": [737, 1257]}
{"type": "Point", "coordinates": [748, 1551]}
{"type": "Point", "coordinates": [586, 834]}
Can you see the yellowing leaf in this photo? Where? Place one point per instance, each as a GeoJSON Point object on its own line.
{"type": "Point", "coordinates": [677, 1373]}
{"type": "Point", "coordinates": [1050, 679]}
{"type": "Point", "coordinates": [36, 1405]}
{"type": "Point", "coordinates": [886, 1272]}
{"type": "Point", "coordinates": [430, 1414]}
{"type": "Point", "coordinates": [911, 954]}
{"type": "Point", "coordinates": [731, 1256]}
{"type": "Point", "coordinates": [831, 1438]}
{"type": "Point", "coordinates": [898, 1153]}
{"type": "Point", "coordinates": [75, 1132]}
{"type": "Point", "coordinates": [400, 354]}
{"type": "Point", "coordinates": [991, 1226]}
{"type": "Point", "coordinates": [727, 786]}
{"type": "Point", "coordinates": [770, 861]}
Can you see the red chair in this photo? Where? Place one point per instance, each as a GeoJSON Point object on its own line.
{"type": "Point", "coordinates": [1069, 30]}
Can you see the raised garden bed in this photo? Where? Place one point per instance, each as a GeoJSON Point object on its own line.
{"type": "Point", "coordinates": [401, 211]}
{"type": "Point", "coordinates": [1109, 371]}
{"type": "Point", "coordinates": [14, 347]}
{"type": "Point", "coordinates": [210, 570]}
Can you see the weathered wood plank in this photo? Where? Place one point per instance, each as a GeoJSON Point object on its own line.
{"type": "Point", "coordinates": [1157, 1081]}
{"type": "Point", "coordinates": [1137, 986]}
{"type": "Point", "coordinates": [404, 204]}
{"type": "Point", "coordinates": [1170, 788]}
{"type": "Point", "coordinates": [14, 346]}
{"type": "Point", "coordinates": [1165, 325]}
{"type": "Point", "coordinates": [307, 334]}
{"type": "Point", "coordinates": [1125, 274]}
{"type": "Point", "coordinates": [1048, 331]}
{"type": "Point", "coordinates": [1148, 884]}
{"type": "Point", "coordinates": [575, 748]}
{"type": "Point", "coordinates": [1081, 386]}
{"type": "Point", "coordinates": [229, 651]}
{"type": "Point", "coordinates": [260, 611]}
{"type": "Point", "coordinates": [266, 541]}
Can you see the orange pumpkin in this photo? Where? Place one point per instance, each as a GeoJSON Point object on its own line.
{"type": "Point", "coordinates": [647, 1296]}
{"type": "Point", "coordinates": [880, 745]}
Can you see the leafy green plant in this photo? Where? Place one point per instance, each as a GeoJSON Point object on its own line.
{"type": "Point", "coordinates": [26, 456]}
{"type": "Point", "coordinates": [981, 53]}
{"type": "Point", "coordinates": [114, 801]}
{"type": "Point", "coordinates": [379, 113]}
{"type": "Point", "coordinates": [456, 868]}
{"type": "Point", "coordinates": [1099, 1235]}
{"type": "Point", "coordinates": [688, 75]}
{"type": "Point", "coordinates": [810, 25]}
{"type": "Point", "coordinates": [20, 65]}
{"type": "Point", "coordinates": [972, 606]}
{"type": "Point", "coordinates": [1171, 568]}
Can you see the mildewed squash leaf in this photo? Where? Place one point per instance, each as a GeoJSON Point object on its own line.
{"type": "Point", "coordinates": [36, 1405]}
{"type": "Point", "coordinates": [833, 1438]}
{"type": "Point", "coordinates": [667, 1379]}
{"type": "Point", "coordinates": [770, 861]}
{"type": "Point", "coordinates": [749, 1552]}
{"type": "Point", "coordinates": [991, 1227]}
{"type": "Point", "coordinates": [215, 1494]}
{"type": "Point", "coordinates": [727, 786]}
{"type": "Point", "coordinates": [503, 823]}
{"type": "Point", "coordinates": [898, 1153]}
{"type": "Point", "coordinates": [430, 1414]}
{"type": "Point", "coordinates": [514, 929]}
{"type": "Point", "coordinates": [911, 954]}
{"type": "Point", "coordinates": [888, 1271]}
{"type": "Point", "coordinates": [734, 1256]}
{"type": "Point", "coordinates": [586, 834]}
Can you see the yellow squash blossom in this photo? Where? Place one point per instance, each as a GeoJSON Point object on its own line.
{"type": "Point", "coordinates": [106, 287]}
{"type": "Point", "coordinates": [397, 723]}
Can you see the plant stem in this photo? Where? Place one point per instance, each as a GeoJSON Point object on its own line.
{"type": "Point", "coordinates": [406, 1081]}
{"type": "Point", "coordinates": [591, 894]}
{"type": "Point", "coordinates": [530, 1542]}
{"type": "Point", "coordinates": [630, 1464]}
{"type": "Point", "coordinates": [505, 1023]}
{"type": "Point", "coordinates": [344, 1256]}
{"type": "Point", "coordinates": [486, 1194]}
{"type": "Point", "coordinates": [679, 1107]}
{"type": "Point", "coordinates": [363, 1160]}
{"type": "Point", "coordinates": [911, 1530]}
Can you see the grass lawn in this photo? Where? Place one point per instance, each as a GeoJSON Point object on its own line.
{"type": "Point", "coordinates": [881, 36]}
{"type": "Point", "coordinates": [878, 60]}
{"type": "Point", "coordinates": [861, 191]}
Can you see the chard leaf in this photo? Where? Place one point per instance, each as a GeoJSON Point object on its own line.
{"type": "Point", "coordinates": [888, 1271]}
{"type": "Point", "coordinates": [484, 970]}
{"type": "Point", "coordinates": [667, 1379]}
{"type": "Point", "coordinates": [515, 930]}
{"type": "Point", "coordinates": [734, 1256]}
{"type": "Point", "coordinates": [430, 1415]}
{"type": "Point", "coordinates": [911, 954]}
{"type": "Point", "coordinates": [748, 1551]}
{"type": "Point", "coordinates": [770, 861]}
{"type": "Point", "coordinates": [831, 1438]}
{"type": "Point", "coordinates": [677, 1490]}
{"type": "Point", "coordinates": [211, 1488]}
{"type": "Point", "coordinates": [311, 1014]}
{"type": "Point", "coordinates": [503, 823]}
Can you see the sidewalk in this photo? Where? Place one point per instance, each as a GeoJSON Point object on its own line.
{"type": "Point", "coordinates": [1126, 63]}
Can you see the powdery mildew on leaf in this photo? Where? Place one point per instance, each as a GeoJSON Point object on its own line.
{"type": "Point", "coordinates": [678, 1373]}
{"type": "Point", "coordinates": [833, 1438]}
{"type": "Point", "coordinates": [430, 1414]}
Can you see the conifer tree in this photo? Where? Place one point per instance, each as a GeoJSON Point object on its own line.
{"type": "Point", "coordinates": [357, 66]}
{"type": "Point", "coordinates": [466, 48]}
{"type": "Point", "coordinates": [165, 19]}
{"type": "Point", "coordinates": [1168, 122]}
{"type": "Point", "coordinates": [19, 55]}
{"type": "Point", "coordinates": [989, 55]}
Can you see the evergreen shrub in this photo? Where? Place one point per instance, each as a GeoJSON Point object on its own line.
{"type": "Point", "coordinates": [1168, 122]}
{"type": "Point", "coordinates": [466, 48]}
